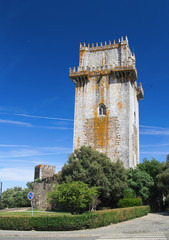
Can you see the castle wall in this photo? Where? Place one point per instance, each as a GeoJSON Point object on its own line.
{"type": "Point", "coordinates": [47, 177]}
{"type": "Point", "coordinates": [41, 190]}
{"type": "Point", "coordinates": [45, 171]}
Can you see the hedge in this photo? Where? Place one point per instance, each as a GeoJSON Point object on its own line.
{"type": "Point", "coordinates": [129, 202]}
{"type": "Point", "coordinates": [74, 222]}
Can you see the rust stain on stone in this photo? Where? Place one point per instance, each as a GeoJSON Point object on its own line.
{"type": "Point", "coordinates": [81, 57]}
{"type": "Point", "coordinates": [120, 105]}
{"type": "Point", "coordinates": [101, 130]}
{"type": "Point", "coordinates": [78, 142]}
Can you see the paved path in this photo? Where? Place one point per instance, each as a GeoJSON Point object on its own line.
{"type": "Point", "coordinates": [150, 227]}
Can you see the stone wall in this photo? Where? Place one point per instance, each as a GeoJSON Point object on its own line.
{"type": "Point", "coordinates": [45, 171]}
{"type": "Point", "coordinates": [41, 189]}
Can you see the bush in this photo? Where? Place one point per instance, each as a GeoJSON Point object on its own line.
{"type": "Point", "coordinates": [76, 197]}
{"type": "Point", "coordinates": [74, 222]}
{"type": "Point", "coordinates": [129, 202]}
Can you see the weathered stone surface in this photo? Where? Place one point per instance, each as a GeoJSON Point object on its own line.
{"type": "Point", "coordinates": [107, 76]}
{"type": "Point", "coordinates": [45, 171]}
{"type": "Point", "coordinates": [41, 189]}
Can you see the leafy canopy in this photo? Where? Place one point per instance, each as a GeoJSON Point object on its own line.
{"type": "Point", "coordinates": [15, 197]}
{"type": "Point", "coordinates": [153, 167]}
{"type": "Point", "coordinates": [163, 178]}
{"type": "Point", "coordinates": [141, 182]}
{"type": "Point", "coordinates": [73, 196]}
{"type": "Point", "coordinates": [96, 169]}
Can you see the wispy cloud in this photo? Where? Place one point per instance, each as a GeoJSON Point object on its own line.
{"type": "Point", "coordinates": [153, 127]}
{"type": "Point", "coordinates": [154, 145]}
{"type": "Point", "coordinates": [52, 127]}
{"type": "Point", "coordinates": [13, 146]}
{"type": "Point", "coordinates": [23, 151]}
{"type": "Point", "coordinates": [16, 174]}
{"type": "Point", "coordinates": [22, 124]}
{"type": "Point", "coordinates": [153, 130]}
{"type": "Point", "coordinates": [154, 153]}
{"type": "Point", "coordinates": [26, 124]}
{"type": "Point", "coordinates": [43, 117]}
{"type": "Point", "coordinates": [38, 117]}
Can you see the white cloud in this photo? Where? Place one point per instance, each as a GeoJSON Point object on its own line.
{"type": "Point", "coordinates": [26, 124]}
{"type": "Point", "coordinates": [154, 127]}
{"type": "Point", "coordinates": [153, 153]}
{"type": "Point", "coordinates": [16, 174]}
{"type": "Point", "coordinates": [153, 130]}
{"type": "Point", "coordinates": [51, 127]}
{"type": "Point", "coordinates": [23, 124]}
{"type": "Point", "coordinates": [43, 117]}
{"type": "Point", "coordinates": [155, 145]}
{"type": "Point", "coordinates": [13, 146]}
{"type": "Point", "coordinates": [19, 151]}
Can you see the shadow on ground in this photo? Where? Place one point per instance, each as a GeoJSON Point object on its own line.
{"type": "Point", "coordinates": [166, 213]}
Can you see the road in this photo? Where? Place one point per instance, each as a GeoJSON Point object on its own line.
{"type": "Point", "coordinates": [150, 227]}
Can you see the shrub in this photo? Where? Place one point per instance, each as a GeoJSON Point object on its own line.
{"type": "Point", "coordinates": [72, 222]}
{"type": "Point", "coordinates": [129, 202]}
{"type": "Point", "coordinates": [76, 197]}
{"type": "Point", "coordinates": [129, 193]}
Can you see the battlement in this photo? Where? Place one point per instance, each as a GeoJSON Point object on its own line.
{"type": "Point", "coordinates": [105, 46]}
{"type": "Point", "coordinates": [47, 166]}
{"type": "Point", "coordinates": [84, 72]}
{"type": "Point", "coordinates": [105, 59]}
{"type": "Point", "coordinates": [44, 171]}
{"type": "Point", "coordinates": [140, 92]}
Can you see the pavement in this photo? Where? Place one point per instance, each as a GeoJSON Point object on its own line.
{"type": "Point", "coordinates": [154, 226]}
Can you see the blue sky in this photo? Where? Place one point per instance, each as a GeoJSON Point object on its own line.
{"type": "Point", "coordinates": [39, 42]}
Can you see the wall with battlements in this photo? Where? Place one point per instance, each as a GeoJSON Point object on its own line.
{"type": "Point", "coordinates": [107, 76]}
{"type": "Point", "coordinates": [44, 171]}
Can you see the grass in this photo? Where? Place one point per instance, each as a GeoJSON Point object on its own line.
{"type": "Point", "coordinates": [35, 214]}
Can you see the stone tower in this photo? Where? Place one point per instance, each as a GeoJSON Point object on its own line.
{"type": "Point", "coordinates": [42, 172]}
{"type": "Point", "coordinates": [106, 101]}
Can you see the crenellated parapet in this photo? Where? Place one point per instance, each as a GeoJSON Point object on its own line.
{"type": "Point", "coordinates": [103, 46]}
{"type": "Point", "coordinates": [44, 171]}
{"type": "Point", "coordinates": [113, 58]}
{"type": "Point", "coordinates": [82, 73]}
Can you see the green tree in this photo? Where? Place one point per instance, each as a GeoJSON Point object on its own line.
{"type": "Point", "coordinates": [30, 185]}
{"type": "Point", "coordinates": [153, 168]}
{"type": "Point", "coordinates": [163, 179]}
{"type": "Point", "coordinates": [167, 158]}
{"type": "Point", "coordinates": [141, 182]}
{"type": "Point", "coordinates": [73, 196]}
{"type": "Point", "coordinates": [96, 170]}
{"type": "Point", "coordinates": [15, 197]}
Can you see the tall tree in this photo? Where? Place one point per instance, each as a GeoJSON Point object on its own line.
{"type": "Point", "coordinates": [96, 169]}
{"type": "Point", "coordinates": [163, 179]}
{"type": "Point", "coordinates": [141, 182]}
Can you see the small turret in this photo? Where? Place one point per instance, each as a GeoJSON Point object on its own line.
{"type": "Point", "coordinates": [45, 171]}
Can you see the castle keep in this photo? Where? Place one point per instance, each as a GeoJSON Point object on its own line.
{"type": "Point", "coordinates": [106, 101]}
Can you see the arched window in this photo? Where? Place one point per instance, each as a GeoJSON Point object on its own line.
{"type": "Point", "coordinates": [102, 110]}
